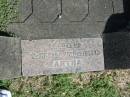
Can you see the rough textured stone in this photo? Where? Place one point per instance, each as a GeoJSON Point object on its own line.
{"type": "Point", "coordinates": [59, 31]}
{"type": "Point", "coordinates": [46, 10]}
{"type": "Point", "coordinates": [54, 56]}
{"type": "Point", "coordinates": [10, 58]}
{"type": "Point", "coordinates": [118, 6]}
{"type": "Point", "coordinates": [25, 10]}
{"type": "Point", "coordinates": [75, 10]}
{"type": "Point", "coordinates": [100, 10]}
{"type": "Point", "coordinates": [57, 23]}
{"type": "Point", "coordinates": [63, 18]}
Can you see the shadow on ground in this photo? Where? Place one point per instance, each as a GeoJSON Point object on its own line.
{"type": "Point", "coordinates": [116, 37]}
{"type": "Point", "coordinates": [2, 33]}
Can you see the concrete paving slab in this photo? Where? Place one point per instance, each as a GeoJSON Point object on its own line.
{"type": "Point", "coordinates": [10, 57]}
{"type": "Point", "coordinates": [75, 10]}
{"type": "Point", "coordinates": [59, 30]}
{"type": "Point", "coordinates": [100, 10]}
{"type": "Point", "coordinates": [46, 10]}
{"type": "Point", "coordinates": [63, 18]}
{"type": "Point", "coordinates": [25, 10]}
{"type": "Point", "coordinates": [54, 56]}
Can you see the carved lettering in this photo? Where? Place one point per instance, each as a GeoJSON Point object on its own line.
{"type": "Point", "coordinates": [67, 63]}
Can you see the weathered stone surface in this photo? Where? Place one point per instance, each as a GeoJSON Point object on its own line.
{"type": "Point", "coordinates": [27, 31]}
{"type": "Point", "coordinates": [63, 18]}
{"type": "Point", "coordinates": [59, 31]}
{"type": "Point", "coordinates": [46, 10]}
{"type": "Point", "coordinates": [118, 6]}
{"type": "Point", "coordinates": [100, 10]}
{"type": "Point", "coordinates": [25, 10]}
{"type": "Point", "coordinates": [10, 58]}
{"type": "Point", "coordinates": [75, 10]}
{"type": "Point", "coordinates": [54, 56]}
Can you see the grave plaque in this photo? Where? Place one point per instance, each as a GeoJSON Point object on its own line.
{"type": "Point", "coordinates": [54, 56]}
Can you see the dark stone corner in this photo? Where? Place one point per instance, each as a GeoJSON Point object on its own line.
{"type": "Point", "coordinates": [116, 39]}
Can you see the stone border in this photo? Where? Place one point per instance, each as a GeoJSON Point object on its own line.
{"type": "Point", "coordinates": [56, 56]}
{"type": "Point", "coordinates": [20, 57]}
{"type": "Point", "coordinates": [116, 54]}
{"type": "Point", "coordinates": [10, 57]}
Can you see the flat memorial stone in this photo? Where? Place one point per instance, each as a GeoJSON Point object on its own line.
{"type": "Point", "coordinates": [54, 56]}
{"type": "Point", "coordinates": [10, 57]}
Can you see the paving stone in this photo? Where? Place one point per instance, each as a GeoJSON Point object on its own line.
{"type": "Point", "coordinates": [75, 10]}
{"type": "Point", "coordinates": [117, 50]}
{"type": "Point", "coordinates": [79, 19]}
{"type": "Point", "coordinates": [27, 31]}
{"type": "Point", "coordinates": [59, 31]}
{"type": "Point", "coordinates": [46, 10]}
{"type": "Point", "coordinates": [54, 56]}
{"type": "Point", "coordinates": [118, 6]}
{"type": "Point", "coordinates": [25, 10]}
{"type": "Point", "coordinates": [10, 58]}
{"type": "Point", "coordinates": [100, 10]}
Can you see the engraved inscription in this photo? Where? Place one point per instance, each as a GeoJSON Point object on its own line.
{"type": "Point", "coordinates": [62, 55]}
{"type": "Point", "coordinates": [65, 44]}
{"type": "Point", "coordinates": [45, 55]}
{"type": "Point", "coordinates": [67, 63]}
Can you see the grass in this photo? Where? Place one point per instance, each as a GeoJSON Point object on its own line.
{"type": "Point", "coordinates": [128, 85]}
{"type": "Point", "coordinates": [4, 84]}
{"type": "Point", "coordinates": [62, 86]}
{"type": "Point", "coordinates": [7, 12]}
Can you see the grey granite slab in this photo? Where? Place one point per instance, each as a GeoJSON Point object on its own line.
{"type": "Point", "coordinates": [100, 10]}
{"type": "Point", "coordinates": [75, 10]}
{"type": "Point", "coordinates": [54, 56]}
{"type": "Point", "coordinates": [10, 57]}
